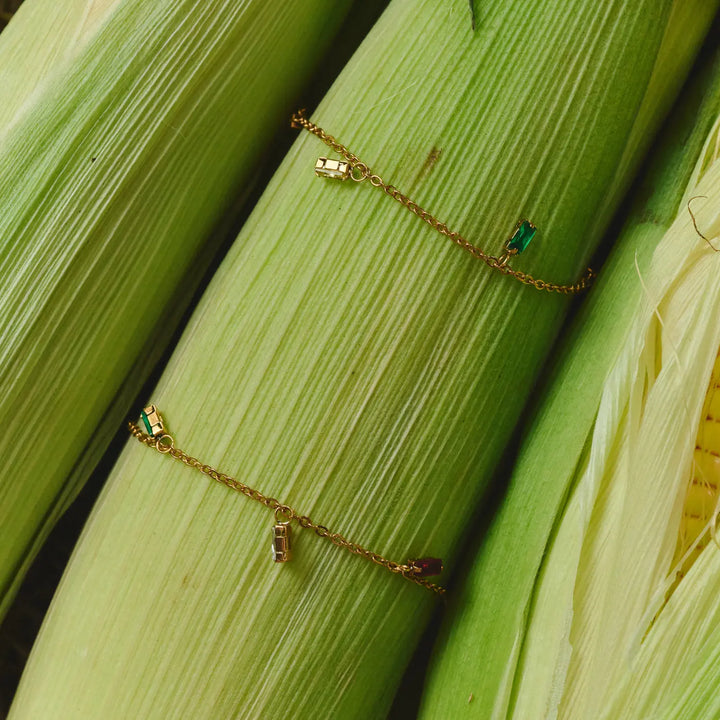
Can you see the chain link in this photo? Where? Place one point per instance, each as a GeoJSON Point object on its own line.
{"type": "Point", "coordinates": [360, 171]}
{"type": "Point", "coordinates": [165, 445]}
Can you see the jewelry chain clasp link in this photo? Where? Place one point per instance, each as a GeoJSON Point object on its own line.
{"type": "Point", "coordinates": [505, 257]}
{"type": "Point", "coordinates": [283, 514]}
{"type": "Point", "coordinates": [362, 169]}
{"type": "Point", "coordinates": [164, 443]}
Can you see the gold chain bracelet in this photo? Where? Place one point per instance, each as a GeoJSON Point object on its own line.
{"type": "Point", "coordinates": [414, 570]}
{"type": "Point", "coordinates": [354, 168]}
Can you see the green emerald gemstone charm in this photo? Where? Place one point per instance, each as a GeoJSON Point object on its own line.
{"type": "Point", "coordinates": [152, 421]}
{"type": "Point", "coordinates": [524, 233]}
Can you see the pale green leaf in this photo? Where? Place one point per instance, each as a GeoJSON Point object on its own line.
{"type": "Point", "coordinates": [512, 640]}
{"type": "Point", "coordinates": [114, 176]}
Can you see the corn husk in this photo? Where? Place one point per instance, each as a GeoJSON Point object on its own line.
{"type": "Point", "coordinates": [117, 166]}
{"type": "Point", "coordinates": [620, 528]}
{"type": "Point", "coordinates": [41, 43]}
{"type": "Point", "coordinates": [351, 362]}
{"type": "Point", "coordinates": [554, 615]}
{"type": "Point", "coordinates": [674, 673]}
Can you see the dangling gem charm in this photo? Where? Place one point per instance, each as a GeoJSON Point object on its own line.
{"type": "Point", "coordinates": [522, 235]}
{"type": "Point", "coordinates": [152, 421]}
{"type": "Point", "coordinates": [281, 536]}
{"type": "Point", "coordinates": [425, 567]}
{"type": "Point", "coordinates": [281, 542]}
{"type": "Point", "coordinates": [337, 169]}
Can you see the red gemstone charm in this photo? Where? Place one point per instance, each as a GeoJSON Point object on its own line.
{"type": "Point", "coordinates": [424, 567]}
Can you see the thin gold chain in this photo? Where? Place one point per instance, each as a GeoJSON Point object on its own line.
{"type": "Point", "coordinates": [360, 171]}
{"type": "Point", "coordinates": [165, 444]}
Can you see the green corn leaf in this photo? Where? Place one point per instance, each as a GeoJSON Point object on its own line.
{"type": "Point", "coordinates": [40, 43]}
{"type": "Point", "coordinates": [116, 169]}
{"type": "Point", "coordinates": [507, 643]}
{"type": "Point", "coordinates": [353, 363]}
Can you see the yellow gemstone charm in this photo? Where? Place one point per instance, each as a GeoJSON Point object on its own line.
{"type": "Point", "coordinates": [338, 169]}
{"type": "Point", "coordinates": [281, 542]}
